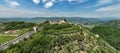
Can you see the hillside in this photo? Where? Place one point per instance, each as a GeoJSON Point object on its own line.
{"type": "Point", "coordinates": [10, 30]}
{"type": "Point", "coordinates": [109, 34]}
{"type": "Point", "coordinates": [62, 38]}
{"type": "Point", "coordinates": [113, 23]}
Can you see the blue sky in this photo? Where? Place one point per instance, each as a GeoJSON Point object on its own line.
{"type": "Point", "coordinates": [60, 8]}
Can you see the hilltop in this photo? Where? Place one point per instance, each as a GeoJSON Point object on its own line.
{"type": "Point", "coordinates": [62, 38]}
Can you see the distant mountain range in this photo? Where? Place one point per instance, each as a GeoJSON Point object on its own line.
{"type": "Point", "coordinates": [70, 19]}
{"type": "Point", "coordinates": [112, 23]}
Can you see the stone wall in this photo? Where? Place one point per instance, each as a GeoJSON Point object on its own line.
{"type": "Point", "coordinates": [57, 21]}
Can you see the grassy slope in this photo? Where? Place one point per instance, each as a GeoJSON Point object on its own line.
{"type": "Point", "coordinates": [4, 39]}
{"type": "Point", "coordinates": [64, 38]}
{"type": "Point", "coordinates": [109, 34]}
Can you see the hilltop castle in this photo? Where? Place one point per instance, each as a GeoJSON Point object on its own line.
{"type": "Point", "coordinates": [57, 21]}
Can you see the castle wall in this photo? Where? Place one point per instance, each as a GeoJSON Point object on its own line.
{"type": "Point", "coordinates": [57, 22]}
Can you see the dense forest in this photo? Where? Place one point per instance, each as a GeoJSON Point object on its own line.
{"type": "Point", "coordinates": [62, 38]}
{"type": "Point", "coordinates": [109, 34]}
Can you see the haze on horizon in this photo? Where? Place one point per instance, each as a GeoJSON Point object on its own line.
{"type": "Point", "coordinates": [60, 8]}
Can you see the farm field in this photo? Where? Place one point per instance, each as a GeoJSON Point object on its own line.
{"type": "Point", "coordinates": [4, 39]}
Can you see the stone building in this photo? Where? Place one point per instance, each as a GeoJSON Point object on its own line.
{"type": "Point", "coordinates": [57, 21]}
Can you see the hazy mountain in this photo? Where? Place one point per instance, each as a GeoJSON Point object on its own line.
{"type": "Point", "coordinates": [42, 19]}
{"type": "Point", "coordinates": [109, 18]}
{"type": "Point", "coordinates": [112, 23]}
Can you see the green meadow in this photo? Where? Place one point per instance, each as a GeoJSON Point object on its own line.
{"type": "Point", "coordinates": [4, 39]}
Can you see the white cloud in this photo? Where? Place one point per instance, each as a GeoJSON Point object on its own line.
{"type": "Point", "coordinates": [13, 4]}
{"type": "Point", "coordinates": [103, 2]}
{"type": "Point", "coordinates": [14, 12]}
{"type": "Point", "coordinates": [36, 1]}
{"type": "Point", "coordinates": [79, 1]}
{"type": "Point", "coordinates": [48, 4]}
{"type": "Point", "coordinates": [82, 1]}
{"type": "Point", "coordinates": [70, 0]}
{"type": "Point", "coordinates": [113, 10]}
